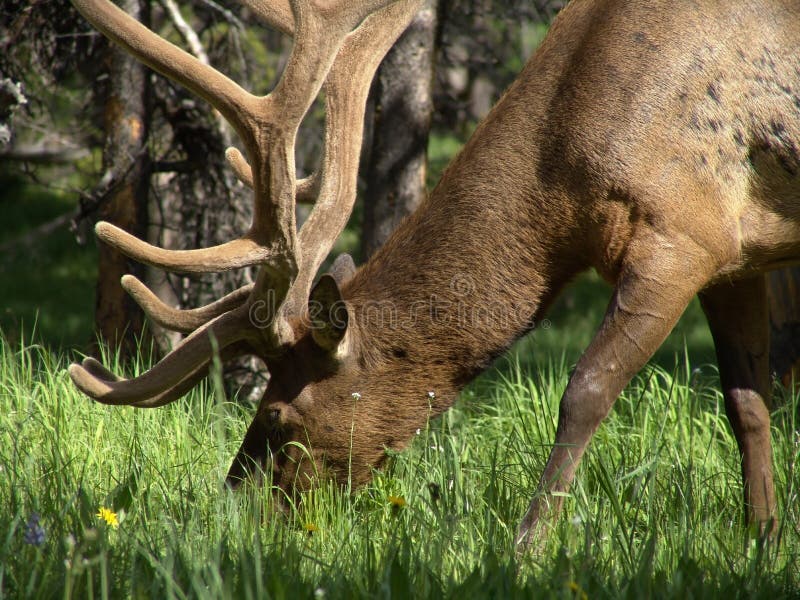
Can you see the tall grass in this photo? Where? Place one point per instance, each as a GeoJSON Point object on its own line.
{"type": "Point", "coordinates": [656, 510]}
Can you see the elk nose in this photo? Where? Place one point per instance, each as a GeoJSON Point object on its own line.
{"type": "Point", "coordinates": [270, 415]}
{"type": "Point", "coordinates": [274, 418]}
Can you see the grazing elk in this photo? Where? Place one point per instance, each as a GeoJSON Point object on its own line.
{"type": "Point", "coordinates": [656, 142]}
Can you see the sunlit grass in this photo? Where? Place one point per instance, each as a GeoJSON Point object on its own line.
{"type": "Point", "coordinates": [656, 511]}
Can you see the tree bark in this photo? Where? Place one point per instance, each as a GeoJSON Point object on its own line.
{"type": "Point", "coordinates": [118, 320]}
{"type": "Point", "coordinates": [784, 312]}
{"type": "Point", "coordinates": [11, 98]}
{"type": "Point", "coordinates": [403, 105]}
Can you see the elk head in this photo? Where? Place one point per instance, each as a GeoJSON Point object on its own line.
{"type": "Point", "coordinates": [303, 335]}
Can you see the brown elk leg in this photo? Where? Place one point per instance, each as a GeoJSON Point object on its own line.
{"type": "Point", "coordinates": [738, 316]}
{"type": "Point", "coordinates": [647, 302]}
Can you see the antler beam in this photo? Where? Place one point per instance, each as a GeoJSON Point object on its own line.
{"type": "Point", "coordinates": [183, 321]}
{"type": "Point", "coordinates": [194, 352]}
{"type": "Point", "coordinates": [346, 92]}
{"type": "Point", "coordinates": [336, 43]}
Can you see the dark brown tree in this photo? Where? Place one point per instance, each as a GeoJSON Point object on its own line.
{"type": "Point", "coordinates": [783, 292]}
{"type": "Point", "coordinates": [123, 189]}
{"type": "Point", "coordinates": [402, 106]}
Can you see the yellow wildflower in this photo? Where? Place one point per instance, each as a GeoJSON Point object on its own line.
{"type": "Point", "coordinates": [109, 516]}
{"type": "Point", "coordinates": [310, 527]}
{"type": "Point", "coordinates": [397, 501]}
{"type": "Point", "coordinates": [577, 590]}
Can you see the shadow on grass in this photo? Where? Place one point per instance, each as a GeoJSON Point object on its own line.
{"type": "Point", "coordinates": [46, 287]}
{"type": "Point", "coordinates": [571, 323]}
{"type": "Point", "coordinates": [578, 313]}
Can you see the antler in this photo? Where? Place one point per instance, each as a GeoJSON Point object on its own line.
{"type": "Point", "coordinates": [338, 44]}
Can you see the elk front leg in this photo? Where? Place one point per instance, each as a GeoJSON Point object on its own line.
{"type": "Point", "coordinates": [647, 302]}
{"type": "Point", "coordinates": [739, 320]}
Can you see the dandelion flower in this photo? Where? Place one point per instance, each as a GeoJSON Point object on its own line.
{"type": "Point", "coordinates": [577, 590]}
{"type": "Point", "coordinates": [109, 516]}
{"type": "Point", "coordinates": [397, 502]}
{"type": "Point", "coordinates": [310, 527]}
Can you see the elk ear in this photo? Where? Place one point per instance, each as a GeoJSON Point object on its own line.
{"type": "Point", "coordinates": [328, 313]}
{"type": "Point", "coordinates": [342, 269]}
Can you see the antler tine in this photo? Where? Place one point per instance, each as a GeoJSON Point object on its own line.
{"type": "Point", "coordinates": [194, 352]}
{"type": "Point", "coordinates": [347, 88]}
{"type": "Point", "coordinates": [241, 168]}
{"type": "Point", "coordinates": [268, 128]}
{"type": "Point", "coordinates": [172, 393]}
{"type": "Point", "coordinates": [279, 14]}
{"type": "Point", "coordinates": [242, 252]}
{"type": "Point", "coordinates": [306, 189]}
{"type": "Point", "coordinates": [183, 321]}
{"type": "Point", "coordinates": [96, 369]}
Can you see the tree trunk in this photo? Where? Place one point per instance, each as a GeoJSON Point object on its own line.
{"type": "Point", "coordinates": [118, 320]}
{"type": "Point", "coordinates": [11, 98]}
{"type": "Point", "coordinates": [403, 105]}
{"type": "Point", "coordinates": [784, 313]}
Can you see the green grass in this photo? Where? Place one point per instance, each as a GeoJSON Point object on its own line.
{"type": "Point", "coordinates": [655, 511]}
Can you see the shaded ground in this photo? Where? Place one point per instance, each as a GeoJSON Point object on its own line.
{"type": "Point", "coordinates": [47, 286]}
{"type": "Point", "coordinates": [577, 314]}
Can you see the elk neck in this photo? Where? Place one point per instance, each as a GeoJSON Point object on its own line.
{"type": "Point", "coordinates": [476, 265]}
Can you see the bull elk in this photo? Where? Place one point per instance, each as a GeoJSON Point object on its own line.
{"type": "Point", "coordinates": [656, 142]}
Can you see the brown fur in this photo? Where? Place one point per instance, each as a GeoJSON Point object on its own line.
{"type": "Point", "coordinates": [656, 142]}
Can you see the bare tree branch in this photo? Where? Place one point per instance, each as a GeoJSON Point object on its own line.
{"type": "Point", "coordinates": [11, 97]}
{"type": "Point", "coordinates": [185, 30]}
{"type": "Point", "coordinates": [195, 46]}
{"type": "Point", "coordinates": [229, 16]}
{"type": "Point", "coordinates": [44, 153]}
